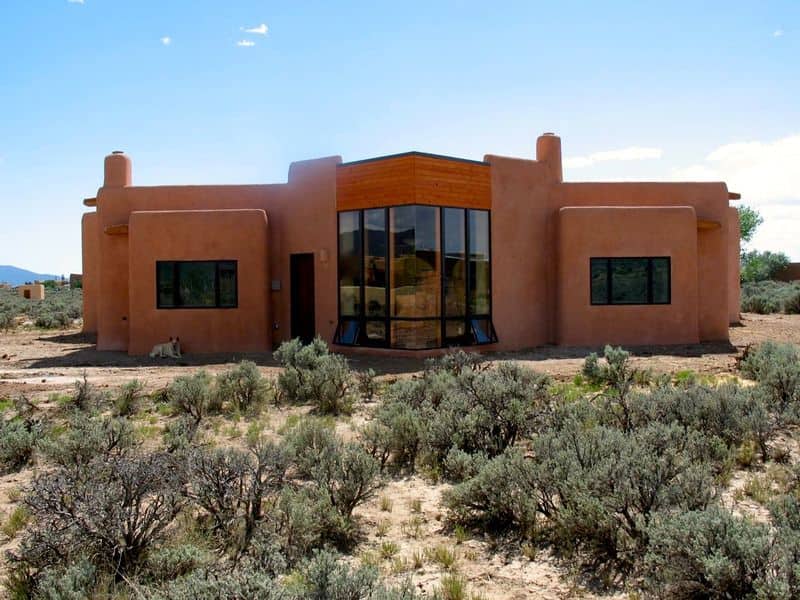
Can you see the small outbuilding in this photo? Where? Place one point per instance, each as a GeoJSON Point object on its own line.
{"type": "Point", "coordinates": [31, 291]}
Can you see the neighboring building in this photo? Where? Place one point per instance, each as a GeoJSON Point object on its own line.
{"type": "Point", "coordinates": [31, 291]}
{"type": "Point", "coordinates": [75, 280]}
{"type": "Point", "coordinates": [407, 252]}
{"type": "Point", "coordinates": [790, 273]}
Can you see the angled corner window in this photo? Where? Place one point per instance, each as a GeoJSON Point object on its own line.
{"type": "Point", "coordinates": [630, 280]}
{"type": "Point", "coordinates": [414, 277]}
{"type": "Point", "coordinates": [196, 284]}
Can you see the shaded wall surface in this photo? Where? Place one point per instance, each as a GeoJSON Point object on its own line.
{"type": "Point", "coordinates": [791, 273]}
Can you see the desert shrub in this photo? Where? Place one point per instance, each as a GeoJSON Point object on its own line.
{"type": "Point", "coordinates": [128, 398]}
{"type": "Point", "coordinates": [7, 320]}
{"type": "Point", "coordinates": [765, 297]}
{"type": "Point", "coordinates": [232, 486]}
{"type": "Point", "coordinates": [170, 562]}
{"type": "Point", "coordinates": [349, 476]}
{"type": "Point", "coordinates": [309, 441]}
{"type": "Point", "coordinates": [312, 375]}
{"type": "Point", "coordinates": [87, 438]}
{"type": "Point", "coordinates": [776, 368]}
{"type": "Point", "coordinates": [367, 384]}
{"type": "Point", "coordinates": [73, 582]}
{"type": "Point", "coordinates": [113, 512]}
{"type": "Point", "coordinates": [202, 584]}
{"type": "Point", "coordinates": [783, 578]}
{"type": "Point", "coordinates": [617, 377]}
{"type": "Point", "coordinates": [326, 577]}
{"type": "Point", "coordinates": [180, 434]}
{"type": "Point", "coordinates": [501, 495]}
{"type": "Point", "coordinates": [394, 436]}
{"type": "Point", "coordinates": [191, 395]}
{"type": "Point", "coordinates": [243, 386]}
{"type": "Point", "coordinates": [706, 554]}
{"type": "Point", "coordinates": [18, 438]}
{"type": "Point", "coordinates": [85, 396]}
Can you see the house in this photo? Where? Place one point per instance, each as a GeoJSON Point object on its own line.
{"type": "Point", "coordinates": [31, 291]}
{"type": "Point", "coordinates": [410, 252]}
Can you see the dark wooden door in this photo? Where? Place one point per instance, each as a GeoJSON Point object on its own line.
{"type": "Point", "coordinates": [302, 284]}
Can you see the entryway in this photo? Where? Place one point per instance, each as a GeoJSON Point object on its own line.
{"type": "Point", "coordinates": [302, 296]}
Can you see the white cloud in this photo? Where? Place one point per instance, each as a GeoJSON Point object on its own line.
{"type": "Point", "coordinates": [623, 154]}
{"type": "Point", "coordinates": [765, 174]}
{"type": "Point", "coordinates": [166, 40]}
{"type": "Point", "coordinates": [75, 1]}
{"type": "Point", "coordinates": [260, 30]}
{"type": "Point", "coordinates": [777, 33]}
{"type": "Point", "coordinates": [245, 43]}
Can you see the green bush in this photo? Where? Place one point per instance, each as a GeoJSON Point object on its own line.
{"type": "Point", "coordinates": [706, 554]}
{"type": "Point", "coordinates": [128, 398]}
{"type": "Point", "coordinates": [312, 375]}
{"type": "Point", "coordinates": [170, 562]}
{"type": "Point", "coordinates": [241, 584]}
{"type": "Point", "coordinates": [87, 438]}
{"type": "Point", "coordinates": [776, 368]}
{"type": "Point", "coordinates": [59, 309]}
{"type": "Point", "coordinates": [760, 266]}
{"type": "Point", "coordinates": [18, 438]}
{"type": "Point", "coordinates": [394, 436]}
{"type": "Point", "coordinates": [243, 386]}
{"type": "Point", "coordinates": [86, 396]}
{"type": "Point", "coordinates": [191, 395]}
{"type": "Point", "coordinates": [349, 476]}
{"type": "Point", "coordinates": [310, 440]}
{"type": "Point", "coordinates": [765, 297]}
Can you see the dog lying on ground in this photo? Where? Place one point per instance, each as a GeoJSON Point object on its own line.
{"type": "Point", "coordinates": [172, 349]}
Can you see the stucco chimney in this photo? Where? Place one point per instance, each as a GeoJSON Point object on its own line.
{"type": "Point", "coordinates": [117, 170]}
{"type": "Point", "coordinates": [548, 150]}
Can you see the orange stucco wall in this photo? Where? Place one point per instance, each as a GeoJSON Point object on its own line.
{"type": "Point", "coordinates": [543, 231]}
{"type": "Point", "coordinates": [734, 266]}
{"type": "Point", "coordinates": [90, 265]}
{"type": "Point", "coordinates": [588, 232]}
{"type": "Point", "coordinates": [239, 235]}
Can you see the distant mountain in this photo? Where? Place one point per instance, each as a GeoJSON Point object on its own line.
{"type": "Point", "coordinates": [17, 276]}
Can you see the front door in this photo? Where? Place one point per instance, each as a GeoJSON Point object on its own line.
{"type": "Point", "coordinates": [302, 300]}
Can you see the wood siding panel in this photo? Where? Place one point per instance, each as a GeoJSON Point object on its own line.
{"type": "Point", "coordinates": [413, 179]}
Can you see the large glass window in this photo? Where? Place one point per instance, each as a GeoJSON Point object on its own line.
{"type": "Point", "coordinates": [196, 284]}
{"type": "Point", "coordinates": [426, 275]}
{"type": "Point", "coordinates": [625, 280]}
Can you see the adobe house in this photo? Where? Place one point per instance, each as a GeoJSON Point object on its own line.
{"type": "Point", "coordinates": [406, 253]}
{"type": "Point", "coordinates": [31, 291]}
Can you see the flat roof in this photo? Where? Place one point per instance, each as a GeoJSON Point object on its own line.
{"type": "Point", "coordinates": [414, 153]}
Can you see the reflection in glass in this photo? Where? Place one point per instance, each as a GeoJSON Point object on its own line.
{"type": "Point", "coordinates": [629, 281]}
{"type": "Point", "coordinates": [455, 263]}
{"type": "Point", "coordinates": [479, 265]}
{"type": "Point", "coordinates": [661, 280]}
{"type": "Point", "coordinates": [375, 262]}
{"type": "Point", "coordinates": [165, 277]}
{"type": "Point", "coordinates": [349, 263]}
{"type": "Point", "coordinates": [196, 284]}
{"type": "Point", "coordinates": [599, 274]}
{"type": "Point", "coordinates": [227, 284]}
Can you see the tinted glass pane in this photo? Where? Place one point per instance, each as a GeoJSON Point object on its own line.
{"type": "Point", "coordinates": [599, 267]}
{"type": "Point", "coordinates": [414, 335]}
{"type": "Point", "coordinates": [456, 332]}
{"type": "Point", "coordinates": [349, 263]}
{"type": "Point", "coordinates": [629, 280]}
{"type": "Point", "coordinates": [348, 332]}
{"type": "Point", "coordinates": [196, 284]}
{"type": "Point", "coordinates": [428, 249]}
{"type": "Point", "coordinates": [165, 271]}
{"type": "Point", "coordinates": [227, 284]}
{"type": "Point", "coordinates": [481, 331]}
{"type": "Point", "coordinates": [375, 262]}
{"type": "Point", "coordinates": [415, 272]}
{"type": "Point", "coordinates": [455, 263]}
{"type": "Point", "coordinates": [376, 331]}
{"type": "Point", "coordinates": [661, 280]}
{"type": "Point", "coordinates": [479, 272]}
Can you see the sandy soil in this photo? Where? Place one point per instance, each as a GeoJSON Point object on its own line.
{"type": "Point", "coordinates": [39, 364]}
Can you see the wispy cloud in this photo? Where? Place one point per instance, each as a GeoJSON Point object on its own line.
{"type": "Point", "coordinates": [75, 1]}
{"type": "Point", "coordinates": [777, 33]}
{"type": "Point", "coordinates": [623, 154]}
{"type": "Point", "coordinates": [166, 40]}
{"type": "Point", "coordinates": [260, 30]}
{"type": "Point", "coordinates": [245, 43]}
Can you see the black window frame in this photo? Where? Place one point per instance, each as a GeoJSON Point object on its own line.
{"type": "Point", "coordinates": [470, 319]}
{"type": "Point", "coordinates": [177, 302]}
{"type": "Point", "coordinates": [609, 300]}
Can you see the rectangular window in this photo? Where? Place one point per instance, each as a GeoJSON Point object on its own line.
{"type": "Point", "coordinates": [630, 280]}
{"type": "Point", "coordinates": [196, 284]}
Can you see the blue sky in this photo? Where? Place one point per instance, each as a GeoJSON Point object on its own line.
{"type": "Point", "coordinates": [637, 90]}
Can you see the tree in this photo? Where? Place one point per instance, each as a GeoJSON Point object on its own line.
{"type": "Point", "coordinates": [760, 266]}
{"type": "Point", "coordinates": [749, 220]}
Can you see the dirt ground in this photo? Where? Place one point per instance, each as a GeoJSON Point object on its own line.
{"type": "Point", "coordinates": [406, 519]}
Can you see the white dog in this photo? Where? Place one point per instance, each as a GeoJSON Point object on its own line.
{"type": "Point", "coordinates": [172, 349]}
